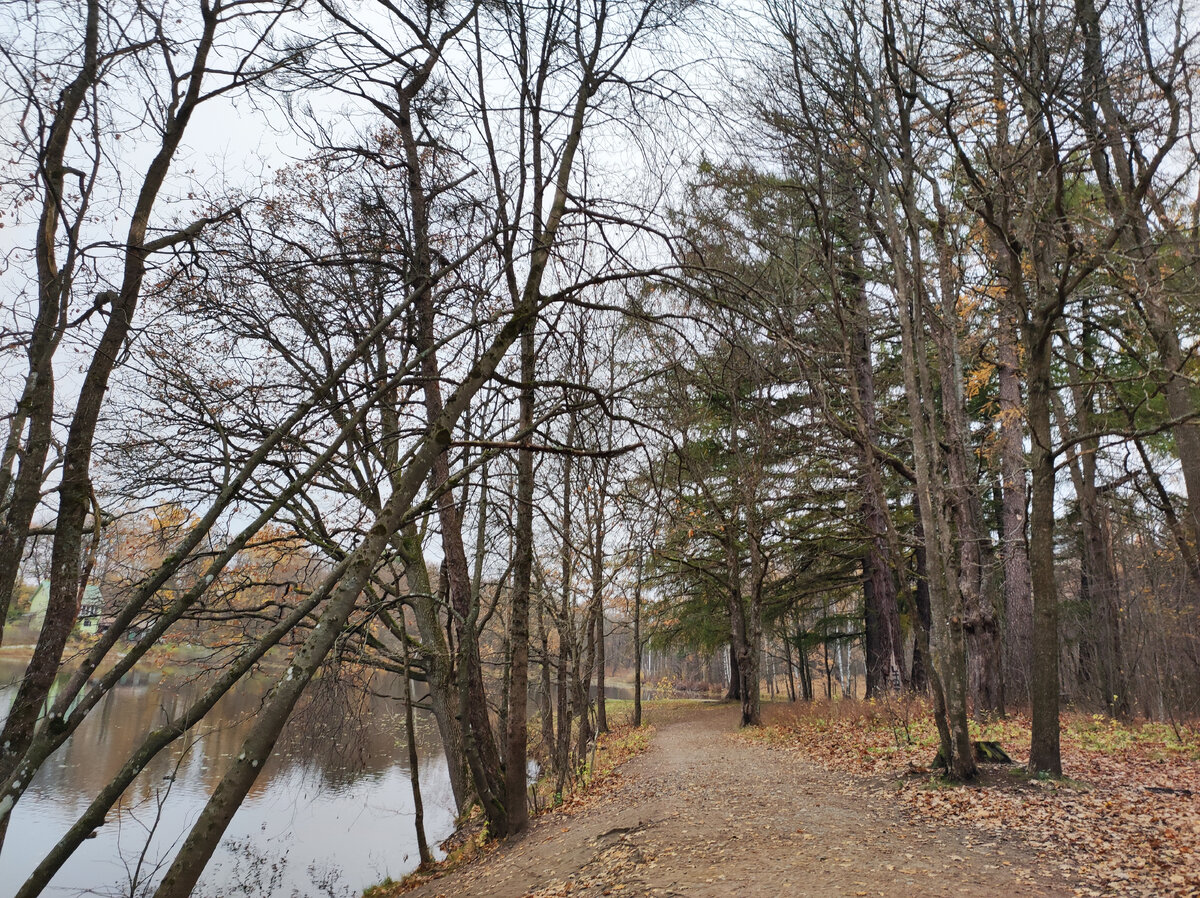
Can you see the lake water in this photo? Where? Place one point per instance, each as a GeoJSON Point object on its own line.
{"type": "Point", "coordinates": [330, 815]}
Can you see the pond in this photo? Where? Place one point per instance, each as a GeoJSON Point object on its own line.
{"type": "Point", "coordinates": [331, 814]}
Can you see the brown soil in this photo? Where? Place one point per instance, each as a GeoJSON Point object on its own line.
{"type": "Point", "coordinates": [702, 813]}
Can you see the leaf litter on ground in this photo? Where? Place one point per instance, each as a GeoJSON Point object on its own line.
{"type": "Point", "coordinates": [1125, 819]}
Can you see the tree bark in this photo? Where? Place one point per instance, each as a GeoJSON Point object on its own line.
{"type": "Point", "coordinates": [599, 531]}
{"type": "Point", "coordinates": [947, 645]}
{"type": "Point", "coordinates": [20, 494]}
{"type": "Point", "coordinates": [734, 692]}
{"type": "Point", "coordinates": [546, 698]}
{"type": "Point", "coordinates": [921, 610]}
{"type": "Point", "coordinates": [1014, 499]}
{"type": "Point", "coordinates": [637, 642]}
{"type": "Point", "coordinates": [1044, 751]}
{"type": "Point", "coordinates": [206, 833]}
{"type": "Point", "coordinates": [479, 740]}
{"type": "Point", "coordinates": [75, 486]}
{"type": "Point", "coordinates": [566, 627]}
{"type": "Point", "coordinates": [884, 655]}
{"type": "Point", "coordinates": [414, 769]}
{"type": "Point", "coordinates": [1099, 588]}
{"type": "Point", "coordinates": [515, 776]}
{"type": "Point", "coordinates": [443, 684]}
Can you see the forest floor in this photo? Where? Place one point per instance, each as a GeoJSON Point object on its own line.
{"type": "Point", "coordinates": [705, 811]}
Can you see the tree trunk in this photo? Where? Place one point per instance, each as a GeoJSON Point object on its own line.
{"type": "Point", "coordinates": [515, 776]}
{"type": "Point", "coordinates": [585, 669]}
{"type": "Point", "coordinates": [980, 620]}
{"type": "Point", "coordinates": [1014, 499]}
{"type": "Point", "coordinates": [742, 648]}
{"type": "Point", "coordinates": [440, 676]}
{"type": "Point", "coordinates": [1044, 752]}
{"type": "Point", "coordinates": [598, 533]}
{"type": "Point", "coordinates": [153, 743]}
{"type": "Point", "coordinates": [924, 622]}
{"type": "Point", "coordinates": [75, 485]}
{"type": "Point", "coordinates": [884, 654]}
{"type": "Point", "coordinates": [566, 627]}
{"type": "Point", "coordinates": [180, 880]}
{"type": "Point", "coordinates": [787, 656]}
{"type": "Point", "coordinates": [19, 495]}
{"type": "Point", "coordinates": [947, 648]}
{"type": "Point", "coordinates": [479, 741]}
{"type": "Point", "coordinates": [734, 692]}
{"type": "Point", "coordinates": [414, 772]}
{"type": "Point", "coordinates": [601, 699]}
{"type": "Point", "coordinates": [637, 643]}
{"type": "Point", "coordinates": [1099, 587]}
{"type": "Point", "coordinates": [546, 689]}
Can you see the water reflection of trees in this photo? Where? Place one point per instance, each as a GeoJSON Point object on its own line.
{"type": "Point", "coordinates": [351, 726]}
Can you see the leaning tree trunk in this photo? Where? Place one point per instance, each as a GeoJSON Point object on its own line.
{"type": "Point", "coordinates": [153, 744]}
{"type": "Point", "coordinates": [75, 497]}
{"type": "Point", "coordinates": [184, 872]}
{"type": "Point", "coordinates": [21, 493]}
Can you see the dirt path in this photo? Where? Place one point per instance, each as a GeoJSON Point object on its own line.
{"type": "Point", "coordinates": [702, 813]}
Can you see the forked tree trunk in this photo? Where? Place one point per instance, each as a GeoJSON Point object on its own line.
{"type": "Point", "coordinates": [947, 646]}
{"type": "Point", "coordinates": [479, 741]}
{"type": "Point", "coordinates": [981, 623]}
